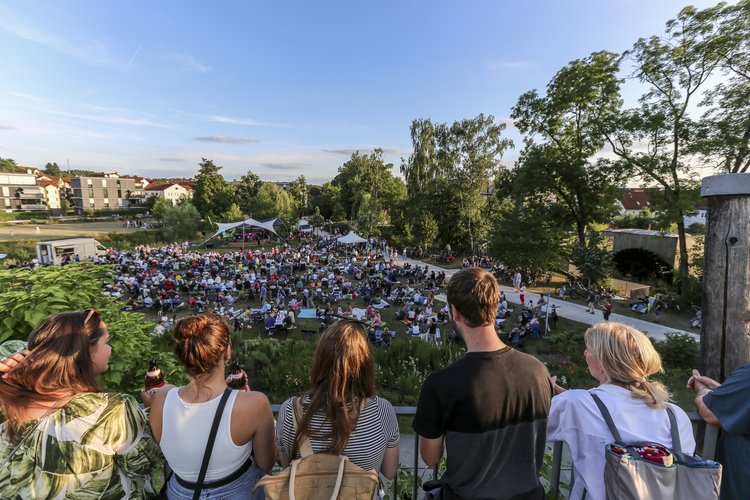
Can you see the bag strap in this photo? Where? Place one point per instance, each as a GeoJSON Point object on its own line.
{"type": "Point", "coordinates": [210, 445]}
{"type": "Point", "coordinates": [336, 487]}
{"type": "Point", "coordinates": [674, 430]}
{"type": "Point", "coordinates": [607, 418]}
{"type": "Point", "coordinates": [305, 447]}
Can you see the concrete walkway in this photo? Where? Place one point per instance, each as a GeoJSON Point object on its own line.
{"type": "Point", "coordinates": [570, 310]}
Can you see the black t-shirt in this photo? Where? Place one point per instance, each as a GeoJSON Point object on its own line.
{"type": "Point", "coordinates": [492, 408]}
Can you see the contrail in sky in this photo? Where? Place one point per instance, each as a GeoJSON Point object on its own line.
{"type": "Point", "coordinates": [134, 56]}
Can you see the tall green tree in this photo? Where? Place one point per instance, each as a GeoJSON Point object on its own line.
{"type": "Point", "coordinates": [181, 222]}
{"type": "Point", "coordinates": [213, 195]}
{"type": "Point", "coordinates": [298, 189]}
{"type": "Point", "coordinates": [246, 189]}
{"type": "Point", "coordinates": [368, 174]}
{"type": "Point", "coordinates": [524, 236]}
{"type": "Point", "coordinates": [564, 133]}
{"type": "Point", "coordinates": [592, 259]}
{"type": "Point", "coordinates": [53, 169]}
{"type": "Point", "coordinates": [272, 202]}
{"type": "Point", "coordinates": [722, 34]}
{"type": "Point", "coordinates": [452, 166]}
{"type": "Point", "coordinates": [655, 140]}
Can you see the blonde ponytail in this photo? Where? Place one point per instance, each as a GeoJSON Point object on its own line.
{"type": "Point", "coordinates": [628, 358]}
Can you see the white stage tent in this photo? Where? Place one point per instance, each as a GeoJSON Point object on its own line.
{"type": "Point", "coordinates": [351, 238]}
{"type": "Point", "coordinates": [226, 226]}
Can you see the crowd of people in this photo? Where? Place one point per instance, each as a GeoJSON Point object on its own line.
{"type": "Point", "coordinates": [492, 411]}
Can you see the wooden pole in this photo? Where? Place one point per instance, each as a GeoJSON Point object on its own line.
{"type": "Point", "coordinates": [725, 335]}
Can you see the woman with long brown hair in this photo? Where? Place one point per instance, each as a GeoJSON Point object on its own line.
{"type": "Point", "coordinates": [182, 417]}
{"type": "Point", "coordinates": [340, 412]}
{"type": "Point", "coordinates": [60, 435]}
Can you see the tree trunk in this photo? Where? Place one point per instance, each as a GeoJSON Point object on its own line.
{"type": "Point", "coordinates": [725, 335]}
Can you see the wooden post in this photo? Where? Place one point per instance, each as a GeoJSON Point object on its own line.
{"type": "Point", "coordinates": [725, 335]}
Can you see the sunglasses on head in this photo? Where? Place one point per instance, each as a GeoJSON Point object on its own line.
{"type": "Point", "coordinates": [91, 313]}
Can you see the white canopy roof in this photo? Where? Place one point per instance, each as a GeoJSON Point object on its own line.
{"type": "Point", "coordinates": [226, 226]}
{"type": "Point", "coordinates": [351, 238]}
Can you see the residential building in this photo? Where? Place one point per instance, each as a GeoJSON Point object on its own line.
{"type": "Point", "coordinates": [634, 201]}
{"type": "Point", "coordinates": [19, 192]}
{"type": "Point", "coordinates": [171, 191]}
{"type": "Point", "coordinates": [108, 192]}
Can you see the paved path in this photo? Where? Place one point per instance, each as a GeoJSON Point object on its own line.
{"type": "Point", "coordinates": [573, 311]}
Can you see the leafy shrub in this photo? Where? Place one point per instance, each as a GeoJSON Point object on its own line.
{"type": "Point", "coordinates": [27, 297]}
{"type": "Point", "coordinates": [678, 350]}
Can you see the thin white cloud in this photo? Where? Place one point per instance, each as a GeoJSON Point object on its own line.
{"type": "Point", "coordinates": [244, 121]}
{"type": "Point", "coordinates": [135, 54]}
{"type": "Point", "coordinates": [234, 121]}
{"type": "Point", "coordinates": [92, 52]}
{"type": "Point", "coordinates": [226, 139]}
{"type": "Point", "coordinates": [87, 112]}
{"type": "Point", "coordinates": [187, 61]}
{"type": "Point", "coordinates": [367, 150]}
{"type": "Point", "coordinates": [285, 165]}
{"type": "Point", "coordinates": [6, 127]}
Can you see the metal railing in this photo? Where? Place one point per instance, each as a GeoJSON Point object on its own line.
{"type": "Point", "coordinates": [706, 437]}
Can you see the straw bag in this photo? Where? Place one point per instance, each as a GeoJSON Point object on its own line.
{"type": "Point", "coordinates": [320, 476]}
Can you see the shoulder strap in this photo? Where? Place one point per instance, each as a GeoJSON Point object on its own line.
{"type": "Point", "coordinates": [607, 418]}
{"type": "Point", "coordinates": [676, 445]}
{"type": "Point", "coordinates": [210, 445]}
{"type": "Point", "coordinates": [305, 448]}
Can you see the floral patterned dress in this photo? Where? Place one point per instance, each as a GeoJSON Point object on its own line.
{"type": "Point", "coordinates": [97, 446]}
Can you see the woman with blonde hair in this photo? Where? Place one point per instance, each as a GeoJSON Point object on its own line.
{"type": "Point", "coordinates": [182, 419]}
{"type": "Point", "coordinates": [341, 414]}
{"type": "Point", "coordinates": [622, 359]}
{"type": "Point", "coordinates": [60, 435]}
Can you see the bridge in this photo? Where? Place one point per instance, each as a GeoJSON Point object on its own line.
{"type": "Point", "coordinates": [645, 252]}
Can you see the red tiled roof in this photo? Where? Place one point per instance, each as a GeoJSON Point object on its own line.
{"type": "Point", "coordinates": [636, 199]}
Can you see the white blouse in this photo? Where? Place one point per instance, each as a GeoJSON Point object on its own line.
{"type": "Point", "coordinates": [575, 419]}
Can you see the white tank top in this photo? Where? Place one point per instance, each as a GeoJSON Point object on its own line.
{"type": "Point", "coordinates": [184, 436]}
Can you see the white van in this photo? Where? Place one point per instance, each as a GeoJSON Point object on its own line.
{"type": "Point", "coordinates": [304, 227]}
{"type": "Point", "coordinates": [53, 252]}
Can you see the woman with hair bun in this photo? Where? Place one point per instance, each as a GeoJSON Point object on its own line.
{"type": "Point", "coordinates": [341, 414]}
{"type": "Point", "coordinates": [60, 435]}
{"type": "Point", "coordinates": [622, 359]}
{"type": "Point", "coordinates": [181, 418]}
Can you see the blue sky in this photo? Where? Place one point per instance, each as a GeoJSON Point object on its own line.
{"type": "Point", "coordinates": [281, 88]}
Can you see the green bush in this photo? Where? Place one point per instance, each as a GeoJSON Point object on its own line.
{"type": "Point", "coordinates": [678, 351]}
{"type": "Point", "coordinates": [18, 249]}
{"type": "Point", "coordinates": [127, 241]}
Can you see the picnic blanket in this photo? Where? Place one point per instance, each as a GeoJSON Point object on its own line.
{"type": "Point", "coordinates": [306, 314]}
{"type": "Point", "coordinates": [381, 305]}
{"type": "Point", "coordinates": [442, 297]}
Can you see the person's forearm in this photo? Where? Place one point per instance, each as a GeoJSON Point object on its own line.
{"type": "Point", "coordinates": [705, 413]}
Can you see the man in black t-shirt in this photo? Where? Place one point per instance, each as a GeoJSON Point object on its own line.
{"type": "Point", "coordinates": [489, 407]}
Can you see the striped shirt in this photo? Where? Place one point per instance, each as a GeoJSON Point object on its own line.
{"type": "Point", "coordinates": [376, 430]}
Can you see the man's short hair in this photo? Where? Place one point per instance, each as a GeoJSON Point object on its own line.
{"type": "Point", "coordinates": [476, 294]}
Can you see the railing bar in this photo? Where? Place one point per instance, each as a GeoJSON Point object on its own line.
{"type": "Point", "coordinates": [416, 465]}
{"type": "Point", "coordinates": [710, 439]}
{"type": "Point", "coordinates": [557, 448]}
